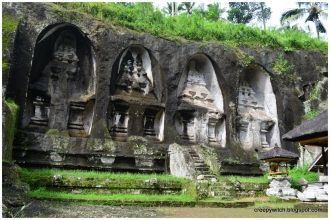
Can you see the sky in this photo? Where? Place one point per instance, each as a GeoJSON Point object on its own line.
{"type": "Point", "coordinates": [277, 8]}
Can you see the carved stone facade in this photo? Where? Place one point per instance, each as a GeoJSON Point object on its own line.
{"type": "Point", "coordinates": [123, 105]}
{"type": "Point", "coordinates": [60, 88]}
{"type": "Point", "coordinates": [136, 107]}
{"type": "Point", "coordinates": [199, 113]}
{"type": "Point", "coordinates": [255, 121]}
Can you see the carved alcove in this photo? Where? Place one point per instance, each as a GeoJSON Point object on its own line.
{"type": "Point", "coordinates": [62, 82]}
{"type": "Point", "coordinates": [257, 110]}
{"type": "Point", "coordinates": [137, 96]}
{"type": "Point", "coordinates": [200, 114]}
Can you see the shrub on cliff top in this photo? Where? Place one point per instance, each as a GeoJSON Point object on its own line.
{"type": "Point", "coordinates": [143, 17]}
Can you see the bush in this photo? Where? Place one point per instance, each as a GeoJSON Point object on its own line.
{"type": "Point", "coordinates": [297, 173]}
{"type": "Point", "coordinates": [144, 17]}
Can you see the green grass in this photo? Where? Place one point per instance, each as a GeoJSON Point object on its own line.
{"type": "Point", "coordinates": [113, 199]}
{"type": "Point", "coordinates": [38, 173]}
{"type": "Point", "coordinates": [143, 17]}
{"type": "Point", "coordinates": [246, 179]}
{"type": "Point", "coordinates": [297, 173]}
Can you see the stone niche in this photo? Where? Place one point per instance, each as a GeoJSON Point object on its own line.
{"type": "Point", "coordinates": [200, 112]}
{"type": "Point", "coordinates": [62, 82]}
{"type": "Point", "coordinates": [257, 110]}
{"type": "Point", "coordinates": [137, 96]}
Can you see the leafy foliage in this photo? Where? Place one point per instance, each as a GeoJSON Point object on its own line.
{"type": "Point", "coordinates": [241, 12]}
{"type": "Point", "coordinates": [282, 66]}
{"type": "Point", "coordinates": [297, 173]}
{"type": "Point", "coordinates": [310, 10]}
{"type": "Point", "coordinates": [143, 17]}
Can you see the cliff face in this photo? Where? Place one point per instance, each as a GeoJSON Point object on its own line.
{"type": "Point", "coordinates": [277, 78]}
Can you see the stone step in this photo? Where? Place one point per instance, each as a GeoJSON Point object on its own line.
{"type": "Point", "coordinates": [221, 193]}
{"type": "Point", "coordinates": [201, 165]}
{"type": "Point", "coordinates": [111, 191]}
{"type": "Point", "coordinates": [202, 169]}
{"type": "Point", "coordinates": [203, 172]}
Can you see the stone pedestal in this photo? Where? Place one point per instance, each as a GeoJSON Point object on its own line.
{"type": "Point", "coordinates": [76, 120]}
{"type": "Point", "coordinates": [149, 122]}
{"type": "Point", "coordinates": [41, 112]}
{"type": "Point", "coordinates": [280, 187]}
{"type": "Point", "coordinates": [188, 125]}
{"type": "Point", "coordinates": [120, 122]}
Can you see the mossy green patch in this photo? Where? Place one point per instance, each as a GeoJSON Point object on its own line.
{"type": "Point", "coordinates": [245, 179]}
{"type": "Point", "coordinates": [311, 114]}
{"type": "Point", "coordinates": [9, 128]}
{"type": "Point", "coordinates": [56, 132]}
{"type": "Point", "coordinates": [9, 25]}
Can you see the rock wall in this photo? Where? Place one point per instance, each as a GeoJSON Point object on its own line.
{"type": "Point", "coordinates": [146, 101]}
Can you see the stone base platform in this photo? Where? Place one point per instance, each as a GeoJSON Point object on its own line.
{"type": "Point", "coordinates": [54, 150]}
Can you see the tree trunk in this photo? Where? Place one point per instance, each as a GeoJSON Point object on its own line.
{"type": "Point", "coordinates": [263, 15]}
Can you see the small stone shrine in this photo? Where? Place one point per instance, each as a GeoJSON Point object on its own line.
{"type": "Point", "coordinates": [279, 181]}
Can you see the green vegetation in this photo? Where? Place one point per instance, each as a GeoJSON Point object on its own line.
{"type": "Point", "coordinates": [42, 177]}
{"type": "Point", "coordinates": [285, 70]}
{"type": "Point", "coordinates": [113, 199]}
{"type": "Point", "coordinates": [311, 114]}
{"type": "Point", "coordinates": [56, 132]}
{"type": "Point", "coordinates": [297, 173]}
{"type": "Point", "coordinates": [108, 188]}
{"type": "Point", "coordinates": [10, 127]}
{"type": "Point", "coordinates": [246, 179]}
{"type": "Point", "coordinates": [143, 17]}
{"type": "Point", "coordinates": [9, 25]}
{"type": "Point", "coordinates": [315, 93]}
{"type": "Point", "coordinates": [282, 66]}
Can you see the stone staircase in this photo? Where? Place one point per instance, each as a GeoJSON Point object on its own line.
{"type": "Point", "coordinates": [203, 171]}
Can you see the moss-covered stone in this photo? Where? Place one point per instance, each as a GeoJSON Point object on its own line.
{"type": "Point", "coordinates": [9, 128]}
{"type": "Point", "coordinates": [210, 157]}
{"type": "Point", "coordinates": [96, 144]}
{"type": "Point", "coordinates": [56, 132]}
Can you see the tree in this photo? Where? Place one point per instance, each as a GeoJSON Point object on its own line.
{"type": "Point", "coordinates": [187, 6]}
{"type": "Point", "coordinates": [213, 12]}
{"type": "Point", "coordinates": [263, 13]}
{"type": "Point", "coordinates": [310, 10]}
{"type": "Point", "coordinates": [241, 12]}
{"type": "Point", "coordinates": [173, 8]}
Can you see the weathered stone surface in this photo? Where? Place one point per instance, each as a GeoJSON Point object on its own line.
{"type": "Point", "coordinates": [317, 191]}
{"type": "Point", "coordinates": [180, 164]}
{"type": "Point", "coordinates": [281, 187]}
{"type": "Point", "coordinates": [88, 104]}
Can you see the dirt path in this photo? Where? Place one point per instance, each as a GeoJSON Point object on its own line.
{"type": "Point", "coordinates": [51, 209]}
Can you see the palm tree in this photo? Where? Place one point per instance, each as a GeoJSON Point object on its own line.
{"type": "Point", "coordinates": [173, 8]}
{"type": "Point", "coordinates": [187, 6]}
{"type": "Point", "coordinates": [312, 12]}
